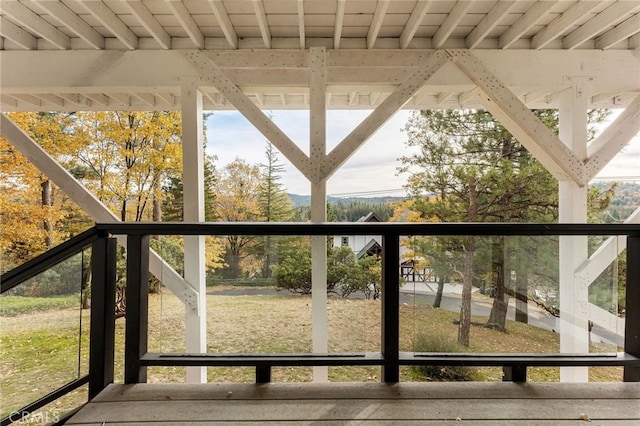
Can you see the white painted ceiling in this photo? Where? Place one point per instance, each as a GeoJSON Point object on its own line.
{"type": "Point", "coordinates": [97, 55]}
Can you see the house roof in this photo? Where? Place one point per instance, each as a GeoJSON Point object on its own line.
{"type": "Point", "coordinates": [101, 55]}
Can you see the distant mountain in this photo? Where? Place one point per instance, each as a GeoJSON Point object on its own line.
{"type": "Point", "coordinates": [305, 200]}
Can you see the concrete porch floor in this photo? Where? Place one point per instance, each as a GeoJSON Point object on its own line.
{"type": "Point", "coordinates": [474, 403]}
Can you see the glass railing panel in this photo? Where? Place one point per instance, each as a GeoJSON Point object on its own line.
{"type": "Point", "coordinates": [44, 334]}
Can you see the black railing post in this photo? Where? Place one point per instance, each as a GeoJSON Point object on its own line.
{"type": "Point", "coordinates": [632, 307]}
{"type": "Point", "coordinates": [103, 328]}
{"type": "Point", "coordinates": [137, 312]}
{"type": "Point", "coordinates": [515, 373]}
{"type": "Point", "coordinates": [390, 307]}
{"type": "Point", "coordinates": [263, 373]}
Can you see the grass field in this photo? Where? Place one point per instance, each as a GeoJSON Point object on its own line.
{"type": "Point", "coordinates": [44, 344]}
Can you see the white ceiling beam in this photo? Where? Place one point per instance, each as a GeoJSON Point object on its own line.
{"type": "Point", "coordinates": [615, 137]}
{"type": "Point", "coordinates": [559, 25]}
{"type": "Point", "coordinates": [259, 98]}
{"type": "Point", "coordinates": [149, 22]}
{"type": "Point", "coordinates": [73, 22]}
{"type": "Point", "coordinates": [337, 31]}
{"type": "Point", "coordinates": [12, 32]}
{"type": "Point", "coordinates": [181, 12]}
{"type": "Point", "coordinates": [625, 30]}
{"type": "Point", "coordinates": [147, 98]}
{"type": "Point", "coordinates": [30, 99]}
{"type": "Point", "coordinates": [261, 16]}
{"type": "Point", "coordinates": [210, 74]}
{"type": "Point", "coordinates": [121, 98]}
{"type": "Point", "coordinates": [8, 101]}
{"type": "Point", "coordinates": [387, 108]}
{"type": "Point", "coordinates": [225, 22]}
{"type": "Point", "coordinates": [450, 23]}
{"type": "Point", "coordinates": [413, 23]}
{"type": "Point", "coordinates": [98, 98]}
{"type": "Point", "coordinates": [376, 22]}
{"type": "Point", "coordinates": [539, 140]}
{"type": "Point", "coordinates": [634, 42]}
{"type": "Point", "coordinates": [488, 23]}
{"type": "Point", "coordinates": [167, 98]}
{"type": "Point", "coordinates": [52, 99]}
{"type": "Point", "coordinates": [111, 22]}
{"type": "Point", "coordinates": [605, 19]}
{"type": "Point", "coordinates": [73, 99]}
{"type": "Point", "coordinates": [317, 111]}
{"type": "Point", "coordinates": [301, 30]}
{"type": "Point", "coordinates": [151, 70]}
{"type": "Point", "coordinates": [90, 204]}
{"type": "Point", "coordinates": [31, 20]}
{"type": "Point", "coordinates": [524, 23]}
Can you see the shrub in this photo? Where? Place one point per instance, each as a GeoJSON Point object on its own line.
{"type": "Point", "coordinates": [442, 343]}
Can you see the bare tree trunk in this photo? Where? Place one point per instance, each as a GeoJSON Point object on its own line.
{"type": "Point", "coordinates": [467, 283]}
{"type": "Point", "coordinates": [498, 315]}
{"type": "Point", "coordinates": [438, 299]}
{"type": "Point", "coordinates": [47, 202]}
{"type": "Point", "coordinates": [522, 283]}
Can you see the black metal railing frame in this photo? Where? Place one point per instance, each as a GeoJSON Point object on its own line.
{"type": "Point", "coordinates": [28, 270]}
{"type": "Point", "coordinates": [137, 358]}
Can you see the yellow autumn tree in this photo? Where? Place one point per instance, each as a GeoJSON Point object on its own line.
{"type": "Point", "coordinates": [35, 214]}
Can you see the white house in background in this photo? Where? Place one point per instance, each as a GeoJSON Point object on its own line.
{"type": "Point", "coordinates": [361, 245]}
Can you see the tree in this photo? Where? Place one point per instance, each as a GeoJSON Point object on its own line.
{"type": "Point", "coordinates": [237, 192]}
{"type": "Point", "coordinates": [35, 214]}
{"type": "Point", "coordinates": [345, 273]}
{"type": "Point", "coordinates": [474, 171]}
{"type": "Point", "coordinates": [273, 203]}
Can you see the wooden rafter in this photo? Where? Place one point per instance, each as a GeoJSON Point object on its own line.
{"type": "Point", "coordinates": [149, 22]}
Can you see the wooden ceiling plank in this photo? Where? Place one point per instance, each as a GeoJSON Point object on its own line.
{"type": "Point", "coordinates": [301, 28]}
{"type": "Point", "coordinates": [261, 16]}
{"type": "Point", "coordinates": [450, 23]}
{"type": "Point", "coordinates": [183, 15]}
{"type": "Point", "coordinates": [111, 22]}
{"type": "Point", "coordinates": [12, 32]}
{"type": "Point", "coordinates": [225, 22]}
{"type": "Point", "coordinates": [73, 22]}
{"type": "Point", "coordinates": [31, 20]}
{"type": "Point", "coordinates": [488, 23]}
{"type": "Point", "coordinates": [149, 22]}
{"type": "Point", "coordinates": [625, 30]}
{"type": "Point", "coordinates": [413, 23]}
{"type": "Point", "coordinates": [524, 23]}
{"type": "Point", "coordinates": [337, 31]}
{"type": "Point", "coordinates": [376, 22]}
{"type": "Point", "coordinates": [568, 18]}
{"type": "Point", "coordinates": [605, 19]}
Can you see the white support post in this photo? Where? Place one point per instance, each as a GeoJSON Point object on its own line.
{"type": "Point", "coordinates": [318, 151]}
{"type": "Point", "coordinates": [574, 300]}
{"type": "Point", "coordinates": [194, 252]}
{"type": "Point", "coordinates": [319, 279]}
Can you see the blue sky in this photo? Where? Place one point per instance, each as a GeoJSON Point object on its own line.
{"type": "Point", "coordinates": [370, 171]}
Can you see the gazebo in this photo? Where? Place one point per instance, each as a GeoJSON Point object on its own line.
{"type": "Point", "coordinates": [507, 57]}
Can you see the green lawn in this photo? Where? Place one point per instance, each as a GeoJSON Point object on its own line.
{"type": "Point", "coordinates": [39, 345]}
